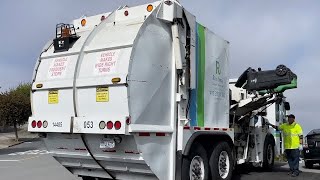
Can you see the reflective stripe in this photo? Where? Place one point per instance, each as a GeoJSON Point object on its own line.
{"type": "Point", "coordinates": [291, 134]}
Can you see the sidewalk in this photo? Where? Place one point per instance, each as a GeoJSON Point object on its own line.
{"type": "Point", "coordinates": [8, 139]}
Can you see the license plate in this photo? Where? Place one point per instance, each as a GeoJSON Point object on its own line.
{"type": "Point", "coordinates": [109, 143]}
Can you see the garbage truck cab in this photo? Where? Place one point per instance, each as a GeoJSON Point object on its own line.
{"type": "Point", "coordinates": [138, 93]}
{"type": "Point", "coordinates": [260, 136]}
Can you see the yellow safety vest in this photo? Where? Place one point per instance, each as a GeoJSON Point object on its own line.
{"type": "Point", "coordinates": [291, 135]}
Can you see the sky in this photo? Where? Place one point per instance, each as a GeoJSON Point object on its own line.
{"type": "Point", "coordinates": [261, 34]}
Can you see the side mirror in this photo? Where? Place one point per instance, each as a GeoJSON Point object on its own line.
{"type": "Point", "coordinates": [287, 106]}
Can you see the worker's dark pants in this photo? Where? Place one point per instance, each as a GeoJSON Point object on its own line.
{"type": "Point", "coordinates": [293, 157]}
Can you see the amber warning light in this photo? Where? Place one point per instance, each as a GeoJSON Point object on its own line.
{"type": "Point", "coordinates": [83, 22]}
{"type": "Point", "coordinates": [150, 8]}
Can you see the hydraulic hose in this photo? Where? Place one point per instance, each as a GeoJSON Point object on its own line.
{"type": "Point", "coordinates": [88, 149]}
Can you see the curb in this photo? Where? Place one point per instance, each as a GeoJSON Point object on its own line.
{"type": "Point", "coordinates": [16, 144]}
{"type": "Point", "coordinates": [21, 142]}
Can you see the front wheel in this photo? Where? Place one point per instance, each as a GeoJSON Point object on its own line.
{"type": "Point", "coordinates": [195, 166]}
{"type": "Point", "coordinates": [268, 154]}
{"type": "Point", "coordinates": [221, 162]}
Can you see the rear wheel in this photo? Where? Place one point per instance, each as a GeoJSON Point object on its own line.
{"type": "Point", "coordinates": [308, 164]}
{"type": "Point", "coordinates": [195, 166]}
{"type": "Point", "coordinates": [221, 162]}
{"type": "Point", "coordinates": [268, 154]}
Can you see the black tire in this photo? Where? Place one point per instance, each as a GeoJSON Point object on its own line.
{"type": "Point", "coordinates": [268, 159]}
{"type": "Point", "coordinates": [281, 70]}
{"type": "Point", "coordinates": [308, 164]}
{"type": "Point", "coordinates": [197, 150]}
{"type": "Point", "coordinates": [221, 148]}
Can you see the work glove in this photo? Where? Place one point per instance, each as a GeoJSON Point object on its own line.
{"type": "Point", "coordinates": [267, 123]}
{"type": "Point", "coordinates": [300, 147]}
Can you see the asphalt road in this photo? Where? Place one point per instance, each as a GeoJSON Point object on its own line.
{"type": "Point", "coordinates": [31, 161]}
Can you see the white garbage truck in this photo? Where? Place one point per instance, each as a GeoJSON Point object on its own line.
{"type": "Point", "coordinates": [143, 93]}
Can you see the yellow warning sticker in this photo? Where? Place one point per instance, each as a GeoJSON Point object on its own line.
{"type": "Point", "coordinates": [102, 94]}
{"type": "Point", "coordinates": [53, 97]}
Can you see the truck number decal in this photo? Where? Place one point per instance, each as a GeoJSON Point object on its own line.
{"type": "Point", "coordinates": [57, 124]}
{"type": "Point", "coordinates": [88, 124]}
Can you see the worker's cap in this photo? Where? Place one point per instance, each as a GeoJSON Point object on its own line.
{"type": "Point", "coordinates": [291, 116]}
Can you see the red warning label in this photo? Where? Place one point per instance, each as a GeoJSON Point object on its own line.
{"type": "Point", "coordinates": [106, 62]}
{"type": "Point", "coordinates": [58, 68]}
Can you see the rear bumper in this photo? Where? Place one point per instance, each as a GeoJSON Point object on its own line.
{"type": "Point", "coordinates": [311, 154]}
{"type": "Point", "coordinates": [120, 166]}
{"type": "Point", "coordinates": [124, 162]}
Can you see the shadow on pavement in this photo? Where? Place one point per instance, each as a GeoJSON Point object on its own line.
{"type": "Point", "coordinates": [15, 150]}
{"type": "Point", "coordinates": [18, 148]}
{"type": "Point", "coordinates": [248, 172]}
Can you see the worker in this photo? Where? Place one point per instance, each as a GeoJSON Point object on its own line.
{"type": "Point", "coordinates": [293, 140]}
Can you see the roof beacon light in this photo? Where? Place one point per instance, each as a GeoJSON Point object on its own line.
{"type": "Point", "coordinates": [66, 36]}
{"type": "Point", "coordinates": [65, 32]}
{"type": "Point", "coordinates": [150, 8]}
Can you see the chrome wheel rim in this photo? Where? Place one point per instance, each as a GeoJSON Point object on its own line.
{"type": "Point", "coordinates": [224, 164]}
{"type": "Point", "coordinates": [196, 171]}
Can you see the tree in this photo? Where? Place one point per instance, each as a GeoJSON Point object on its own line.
{"type": "Point", "coordinates": [15, 106]}
{"type": "Point", "coordinates": [4, 100]}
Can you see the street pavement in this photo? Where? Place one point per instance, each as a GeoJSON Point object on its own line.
{"type": "Point", "coordinates": [280, 172]}
{"type": "Point", "coordinates": [31, 161]}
